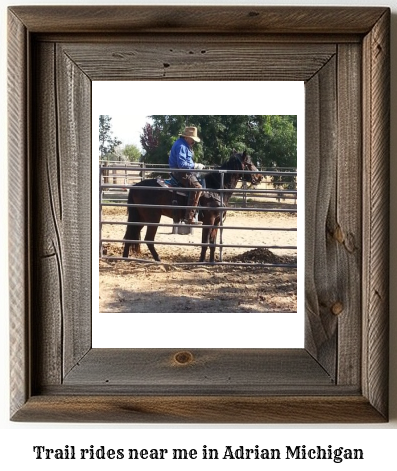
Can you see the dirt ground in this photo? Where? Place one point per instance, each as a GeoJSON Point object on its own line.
{"type": "Point", "coordinates": [130, 286]}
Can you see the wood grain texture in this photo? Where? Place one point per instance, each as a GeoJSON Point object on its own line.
{"type": "Point", "coordinates": [199, 19]}
{"type": "Point", "coordinates": [73, 89]}
{"type": "Point", "coordinates": [376, 91]}
{"type": "Point", "coordinates": [333, 215]}
{"type": "Point", "coordinates": [199, 409]}
{"type": "Point", "coordinates": [341, 375]}
{"type": "Point", "coordinates": [141, 59]}
{"type": "Point", "coordinates": [47, 283]}
{"type": "Point", "coordinates": [18, 245]}
{"type": "Point", "coordinates": [62, 256]}
{"type": "Point", "coordinates": [346, 227]}
{"type": "Point", "coordinates": [321, 277]}
{"type": "Point", "coordinates": [228, 370]}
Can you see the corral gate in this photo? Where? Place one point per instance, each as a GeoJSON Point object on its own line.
{"type": "Point", "coordinates": [115, 180]}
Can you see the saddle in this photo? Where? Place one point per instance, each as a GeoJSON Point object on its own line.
{"type": "Point", "coordinates": [172, 185]}
{"type": "Point", "coordinates": [211, 198]}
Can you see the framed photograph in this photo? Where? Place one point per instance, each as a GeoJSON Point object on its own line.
{"type": "Point", "coordinates": [255, 275]}
{"type": "Point", "coordinates": [342, 56]}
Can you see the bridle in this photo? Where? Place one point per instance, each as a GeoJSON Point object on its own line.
{"type": "Point", "coordinates": [244, 161]}
{"type": "Point", "coordinates": [246, 164]}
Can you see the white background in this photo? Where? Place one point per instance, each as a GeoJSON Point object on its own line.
{"type": "Point", "coordinates": [378, 441]}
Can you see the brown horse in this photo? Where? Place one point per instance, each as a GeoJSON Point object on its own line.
{"type": "Point", "coordinates": [153, 193]}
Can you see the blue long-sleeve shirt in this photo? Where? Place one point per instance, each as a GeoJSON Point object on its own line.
{"type": "Point", "coordinates": [181, 155]}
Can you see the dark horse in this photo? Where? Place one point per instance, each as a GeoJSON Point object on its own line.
{"type": "Point", "coordinates": [209, 210]}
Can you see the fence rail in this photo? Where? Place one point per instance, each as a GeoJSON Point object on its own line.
{"type": "Point", "coordinates": [252, 195]}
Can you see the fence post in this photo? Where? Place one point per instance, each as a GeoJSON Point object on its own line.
{"type": "Point", "coordinates": [106, 173]}
{"type": "Point", "coordinates": [221, 217]}
{"type": "Point", "coordinates": [244, 187]}
{"type": "Point", "coordinates": [143, 173]}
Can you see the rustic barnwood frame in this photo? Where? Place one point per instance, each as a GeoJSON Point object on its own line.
{"type": "Point", "coordinates": [342, 54]}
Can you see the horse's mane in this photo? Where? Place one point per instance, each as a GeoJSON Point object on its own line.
{"type": "Point", "coordinates": [213, 180]}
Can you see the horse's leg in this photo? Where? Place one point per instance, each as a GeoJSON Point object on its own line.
{"type": "Point", "coordinates": [214, 233]}
{"type": "Point", "coordinates": [133, 232]}
{"type": "Point", "coordinates": [212, 237]}
{"type": "Point", "coordinates": [149, 239]}
{"type": "Point", "coordinates": [204, 240]}
{"type": "Point", "coordinates": [205, 237]}
{"type": "Point", "coordinates": [127, 245]}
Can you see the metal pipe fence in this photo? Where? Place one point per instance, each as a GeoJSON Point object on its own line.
{"type": "Point", "coordinates": [245, 199]}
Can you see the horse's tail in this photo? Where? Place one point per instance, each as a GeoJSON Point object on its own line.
{"type": "Point", "coordinates": [133, 231]}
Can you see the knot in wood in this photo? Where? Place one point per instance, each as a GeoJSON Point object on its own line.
{"type": "Point", "coordinates": [338, 235]}
{"type": "Point", "coordinates": [337, 308]}
{"type": "Point", "coordinates": [183, 358]}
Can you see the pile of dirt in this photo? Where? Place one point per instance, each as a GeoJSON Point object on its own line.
{"type": "Point", "coordinates": [265, 256]}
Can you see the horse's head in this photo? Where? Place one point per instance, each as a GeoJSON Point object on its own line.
{"type": "Point", "coordinates": [247, 164]}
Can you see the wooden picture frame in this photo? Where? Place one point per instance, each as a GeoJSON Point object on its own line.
{"type": "Point", "coordinates": [342, 54]}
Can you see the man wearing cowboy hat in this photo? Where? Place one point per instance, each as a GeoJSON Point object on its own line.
{"type": "Point", "coordinates": [181, 156]}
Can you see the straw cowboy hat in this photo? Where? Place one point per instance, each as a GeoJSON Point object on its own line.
{"type": "Point", "coordinates": [191, 131]}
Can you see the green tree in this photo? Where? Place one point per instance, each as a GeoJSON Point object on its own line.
{"type": "Point", "coordinates": [131, 153]}
{"type": "Point", "coordinates": [270, 139]}
{"type": "Point", "coordinates": [107, 143]}
{"type": "Point", "coordinates": [221, 135]}
{"type": "Point", "coordinates": [279, 140]}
